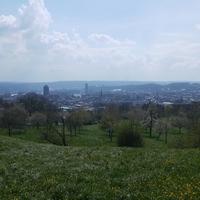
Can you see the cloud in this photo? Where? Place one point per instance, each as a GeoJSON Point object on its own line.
{"type": "Point", "coordinates": [35, 16]}
{"type": "Point", "coordinates": [20, 39]}
{"type": "Point", "coordinates": [7, 21]}
{"type": "Point", "coordinates": [62, 47]}
{"type": "Point", "coordinates": [176, 61]}
{"type": "Point", "coordinates": [30, 51]}
{"type": "Point", "coordinates": [54, 38]}
{"type": "Point", "coordinates": [22, 32]}
{"type": "Point", "coordinates": [103, 39]}
{"type": "Point", "coordinates": [75, 57]}
{"type": "Point", "coordinates": [108, 40]}
{"type": "Point", "coordinates": [31, 18]}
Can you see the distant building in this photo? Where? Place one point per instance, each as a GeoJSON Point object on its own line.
{"type": "Point", "coordinates": [101, 94]}
{"type": "Point", "coordinates": [46, 90]}
{"type": "Point", "coordinates": [86, 88]}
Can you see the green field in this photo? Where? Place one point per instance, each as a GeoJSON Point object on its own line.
{"type": "Point", "coordinates": [92, 167]}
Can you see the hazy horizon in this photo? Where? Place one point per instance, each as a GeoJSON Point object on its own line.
{"type": "Point", "coordinates": [88, 81]}
{"type": "Point", "coordinates": [130, 40]}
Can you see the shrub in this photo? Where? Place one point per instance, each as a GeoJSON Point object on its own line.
{"type": "Point", "coordinates": [129, 135]}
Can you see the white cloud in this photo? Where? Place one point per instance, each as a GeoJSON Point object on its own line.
{"type": "Point", "coordinates": [7, 21]}
{"type": "Point", "coordinates": [27, 47]}
{"type": "Point", "coordinates": [103, 39]}
{"type": "Point", "coordinates": [174, 61]}
{"type": "Point", "coordinates": [20, 33]}
{"type": "Point", "coordinates": [35, 16]}
{"type": "Point", "coordinates": [55, 37]}
{"type": "Point", "coordinates": [31, 18]}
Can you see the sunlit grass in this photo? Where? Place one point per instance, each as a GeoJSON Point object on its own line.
{"type": "Point", "coordinates": [42, 171]}
{"type": "Point", "coordinates": [89, 136]}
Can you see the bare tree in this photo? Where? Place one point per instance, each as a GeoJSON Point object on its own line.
{"type": "Point", "coordinates": [163, 126]}
{"type": "Point", "coordinates": [108, 124]}
{"type": "Point", "coordinates": [38, 118]}
{"type": "Point", "coordinates": [150, 119]}
{"type": "Point", "coordinates": [110, 117]}
{"type": "Point", "coordinates": [36, 103]}
{"type": "Point", "coordinates": [14, 117]}
{"type": "Point", "coordinates": [136, 115]}
{"type": "Point", "coordinates": [54, 130]}
{"type": "Point", "coordinates": [180, 121]}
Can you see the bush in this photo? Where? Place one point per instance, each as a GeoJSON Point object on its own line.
{"type": "Point", "coordinates": [129, 135]}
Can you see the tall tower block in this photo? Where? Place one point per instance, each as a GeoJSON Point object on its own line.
{"type": "Point", "coordinates": [86, 88]}
{"type": "Point", "coordinates": [46, 90]}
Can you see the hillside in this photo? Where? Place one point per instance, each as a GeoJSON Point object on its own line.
{"type": "Point", "coordinates": [41, 171]}
{"type": "Point", "coordinates": [98, 85]}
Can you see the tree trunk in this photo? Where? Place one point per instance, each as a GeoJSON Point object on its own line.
{"type": "Point", "coordinates": [166, 137]}
{"type": "Point", "coordinates": [151, 124]}
{"type": "Point", "coordinates": [9, 132]}
{"type": "Point", "coordinates": [63, 133]}
{"type": "Point", "coordinates": [150, 130]}
{"type": "Point", "coordinates": [180, 130]}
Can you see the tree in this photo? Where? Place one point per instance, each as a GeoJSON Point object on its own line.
{"type": "Point", "coordinates": [136, 115]}
{"type": "Point", "coordinates": [150, 119]}
{"type": "Point", "coordinates": [69, 122]}
{"type": "Point", "coordinates": [108, 124]}
{"type": "Point", "coordinates": [110, 117]}
{"type": "Point", "coordinates": [163, 126]}
{"type": "Point", "coordinates": [78, 117]}
{"type": "Point", "coordinates": [34, 102]}
{"type": "Point", "coordinates": [110, 129]}
{"type": "Point", "coordinates": [53, 132]}
{"type": "Point", "coordinates": [113, 111]}
{"type": "Point", "coordinates": [5, 104]}
{"type": "Point", "coordinates": [98, 111]}
{"type": "Point", "coordinates": [14, 117]}
{"type": "Point", "coordinates": [180, 121]}
{"type": "Point", "coordinates": [169, 110]}
{"type": "Point", "coordinates": [38, 118]}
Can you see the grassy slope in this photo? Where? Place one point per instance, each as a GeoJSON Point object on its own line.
{"type": "Point", "coordinates": [30, 170]}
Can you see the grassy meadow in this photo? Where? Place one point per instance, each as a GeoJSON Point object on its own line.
{"type": "Point", "coordinates": [93, 167]}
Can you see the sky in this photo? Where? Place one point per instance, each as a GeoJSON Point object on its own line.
{"type": "Point", "coordinates": [111, 40]}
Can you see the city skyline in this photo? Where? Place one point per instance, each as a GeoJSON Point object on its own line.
{"type": "Point", "coordinates": [106, 40]}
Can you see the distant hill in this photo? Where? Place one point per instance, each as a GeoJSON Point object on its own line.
{"type": "Point", "coordinates": [152, 87]}
{"type": "Point", "coordinates": [135, 86]}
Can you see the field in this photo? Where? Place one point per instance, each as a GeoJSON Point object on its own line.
{"type": "Point", "coordinates": [92, 167]}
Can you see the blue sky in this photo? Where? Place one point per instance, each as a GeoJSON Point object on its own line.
{"type": "Point", "coordinates": [134, 40]}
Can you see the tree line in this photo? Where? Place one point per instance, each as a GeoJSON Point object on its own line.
{"type": "Point", "coordinates": [153, 118]}
{"type": "Point", "coordinates": [50, 120]}
{"type": "Point", "coordinates": [127, 122]}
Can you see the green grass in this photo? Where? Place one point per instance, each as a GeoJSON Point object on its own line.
{"type": "Point", "coordinates": [93, 168]}
{"type": "Point", "coordinates": [31, 134]}
{"type": "Point", "coordinates": [90, 136]}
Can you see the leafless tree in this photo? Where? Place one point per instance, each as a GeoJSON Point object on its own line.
{"type": "Point", "coordinates": [14, 117]}
{"type": "Point", "coordinates": [163, 126]}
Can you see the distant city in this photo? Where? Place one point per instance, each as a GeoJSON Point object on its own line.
{"type": "Point", "coordinates": [74, 94]}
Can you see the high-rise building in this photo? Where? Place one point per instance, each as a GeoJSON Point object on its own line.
{"type": "Point", "coordinates": [46, 90]}
{"type": "Point", "coordinates": [86, 88]}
